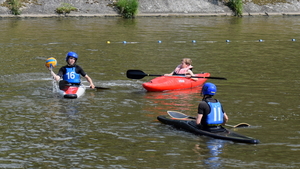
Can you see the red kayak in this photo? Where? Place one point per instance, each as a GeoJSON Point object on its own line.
{"type": "Point", "coordinates": [163, 83]}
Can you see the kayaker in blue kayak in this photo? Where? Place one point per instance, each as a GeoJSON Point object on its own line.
{"type": "Point", "coordinates": [71, 72]}
{"type": "Point", "coordinates": [185, 69]}
{"type": "Point", "coordinates": [210, 111]}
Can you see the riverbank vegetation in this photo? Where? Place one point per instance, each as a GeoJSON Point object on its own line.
{"type": "Point", "coordinates": [15, 5]}
{"type": "Point", "coordinates": [236, 6]}
{"type": "Point", "coordinates": [127, 8]}
{"type": "Point", "coordinates": [65, 8]}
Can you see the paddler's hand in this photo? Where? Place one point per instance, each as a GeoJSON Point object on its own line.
{"type": "Point", "coordinates": [92, 86]}
{"type": "Point", "coordinates": [49, 68]}
{"type": "Point", "coordinates": [190, 76]}
{"type": "Point", "coordinates": [54, 76]}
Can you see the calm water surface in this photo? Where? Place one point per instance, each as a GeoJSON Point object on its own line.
{"type": "Point", "coordinates": [117, 128]}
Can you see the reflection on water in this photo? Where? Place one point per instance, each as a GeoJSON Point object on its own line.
{"type": "Point", "coordinates": [211, 151]}
{"type": "Point", "coordinates": [178, 100]}
{"type": "Point", "coordinates": [215, 149]}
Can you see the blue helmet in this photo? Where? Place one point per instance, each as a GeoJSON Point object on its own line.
{"type": "Point", "coordinates": [72, 54]}
{"type": "Point", "coordinates": [209, 89]}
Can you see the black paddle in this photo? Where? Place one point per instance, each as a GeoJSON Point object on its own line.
{"type": "Point", "coordinates": [98, 87]}
{"type": "Point", "coordinates": [179, 115]}
{"type": "Point", "coordinates": [138, 74]}
{"type": "Point", "coordinates": [63, 83]}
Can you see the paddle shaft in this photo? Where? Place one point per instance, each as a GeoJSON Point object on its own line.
{"type": "Point", "coordinates": [138, 74]}
{"type": "Point", "coordinates": [64, 83]}
{"type": "Point", "coordinates": [98, 87]}
{"type": "Point", "coordinates": [179, 115]}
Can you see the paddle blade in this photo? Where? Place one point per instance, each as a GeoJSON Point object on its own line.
{"type": "Point", "coordinates": [62, 84]}
{"type": "Point", "coordinates": [177, 115]}
{"type": "Point", "coordinates": [135, 74]}
{"type": "Point", "coordinates": [240, 125]}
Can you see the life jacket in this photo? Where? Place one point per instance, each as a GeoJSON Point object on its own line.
{"type": "Point", "coordinates": [71, 76]}
{"type": "Point", "coordinates": [182, 71]}
{"type": "Point", "coordinates": [216, 113]}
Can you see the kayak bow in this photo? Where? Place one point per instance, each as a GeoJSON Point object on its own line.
{"type": "Point", "coordinates": [72, 92]}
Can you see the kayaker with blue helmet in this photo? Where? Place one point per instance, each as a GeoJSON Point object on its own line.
{"type": "Point", "coordinates": [71, 72]}
{"type": "Point", "coordinates": [210, 111]}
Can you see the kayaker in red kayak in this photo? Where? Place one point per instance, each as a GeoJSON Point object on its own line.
{"type": "Point", "coordinates": [185, 68]}
{"type": "Point", "coordinates": [210, 111]}
{"type": "Point", "coordinates": [71, 72]}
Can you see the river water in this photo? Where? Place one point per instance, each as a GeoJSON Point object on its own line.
{"type": "Point", "coordinates": [117, 128]}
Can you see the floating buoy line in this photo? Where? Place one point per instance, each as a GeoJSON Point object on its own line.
{"type": "Point", "coordinates": [193, 41]}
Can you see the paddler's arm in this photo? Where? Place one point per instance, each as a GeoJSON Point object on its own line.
{"type": "Point", "coordinates": [90, 81]}
{"type": "Point", "coordinates": [55, 76]}
{"type": "Point", "coordinates": [170, 74]}
{"type": "Point", "coordinates": [198, 119]}
{"type": "Point", "coordinates": [225, 119]}
{"type": "Point", "coordinates": [189, 74]}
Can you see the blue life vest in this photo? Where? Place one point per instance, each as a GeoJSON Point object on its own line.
{"type": "Point", "coordinates": [216, 113]}
{"type": "Point", "coordinates": [71, 76]}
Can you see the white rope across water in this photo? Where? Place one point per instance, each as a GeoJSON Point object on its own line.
{"type": "Point", "coordinates": [194, 41]}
